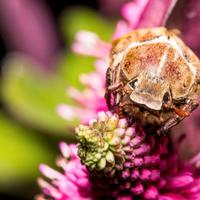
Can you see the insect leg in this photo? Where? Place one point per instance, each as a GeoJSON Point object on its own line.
{"type": "Point", "coordinates": [116, 87]}
{"type": "Point", "coordinates": [113, 90]}
{"type": "Point", "coordinates": [108, 83]}
{"type": "Point", "coordinates": [186, 109]}
{"type": "Point", "coordinates": [107, 97]}
{"type": "Point", "coordinates": [114, 77]}
{"type": "Point", "coordinates": [189, 107]}
{"type": "Point", "coordinates": [169, 124]}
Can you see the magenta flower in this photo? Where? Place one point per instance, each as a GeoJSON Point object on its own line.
{"type": "Point", "coordinates": [119, 162]}
{"type": "Point", "coordinates": [72, 183]}
{"type": "Point", "coordinates": [113, 160]}
{"type": "Point", "coordinates": [91, 100]}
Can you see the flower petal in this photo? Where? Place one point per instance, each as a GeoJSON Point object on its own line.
{"type": "Point", "coordinates": [88, 43]}
{"type": "Point", "coordinates": [141, 13]}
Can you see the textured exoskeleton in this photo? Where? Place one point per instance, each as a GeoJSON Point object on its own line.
{"type": "Point", "coordinates": [153, 78]}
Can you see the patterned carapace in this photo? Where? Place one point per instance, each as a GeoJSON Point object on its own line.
{"type": "Point", "coordinates": [153, 78]}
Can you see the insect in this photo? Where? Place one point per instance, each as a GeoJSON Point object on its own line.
{"type": "Point", "coordinates": [153, 78]}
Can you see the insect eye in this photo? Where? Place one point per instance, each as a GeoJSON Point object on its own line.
{"type": "Point", "coordinates": [166, 97]}
{"type": "Point", "coordinates": [133, 83]}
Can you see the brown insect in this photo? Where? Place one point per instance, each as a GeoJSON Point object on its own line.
{"type": "Point", "coordinates": [153, 78]}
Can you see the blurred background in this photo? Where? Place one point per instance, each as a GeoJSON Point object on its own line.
{"type": "Point", "coordinates": [37, 65]}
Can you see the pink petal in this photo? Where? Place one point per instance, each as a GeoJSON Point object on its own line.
{"type": "Point", "coordinates": [133, 11]}
{"type": "Point", "coordinates": [87, 98]}
{"type": "Point", "coordinates": [49, 189]}
{"type": "Point", "coordinates": [137, 189]}
{"type": "Point", "coordinates": [50, 173]}
{"type": "Point", "coordinates": [101, 67]}
{"type": "Point", "coordinates": [88, 43]}
{"type": "Point", "coordinates": [71, 113]}
{"type": "Point", "coordinates": [151, 193]}
{"type": "Point", "coordinates": [93, 80]}
{"type": "Point", "coordinates": [179, 181]}
{"type": "Point", "coordinates": [127, 197]}
{"type": "Point", "coordinates": [65, 149]}
{"type": "Point", "coordinates": [68, 112]}
{"type": "Point", "coordinates": [193, 188]}
{"type": "Point", "coordinates": [83, 182]}
{"type": "Point", "coordinates": [147, 13]}
{"type": "Point", "coordinates": [145, 174]}
{"type": "Point", "coordinates": [171, 197]}
{"type": "Point", "coordinates": [121, 29]}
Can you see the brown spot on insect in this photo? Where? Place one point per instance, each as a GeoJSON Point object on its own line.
{"type": "Point", "coordinates": [153, 78]}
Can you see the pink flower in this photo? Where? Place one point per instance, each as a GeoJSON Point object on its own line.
{"type": "Point", "coordinates": [145, 166]}
{"type": "Point", "coordinates": [113, 160]}
{"type": "Point", "coordinates": [141, 14]}
{"type": "Point", "coordinates": [91, 100]}
{"type": "Point", "coordinates": [72, 183]}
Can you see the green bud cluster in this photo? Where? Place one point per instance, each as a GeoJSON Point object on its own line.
{"type": "Point", "coordinates": [102, 143]}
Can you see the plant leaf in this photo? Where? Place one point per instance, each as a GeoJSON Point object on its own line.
{"type": "Point", "coordinates": [21, 151]}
